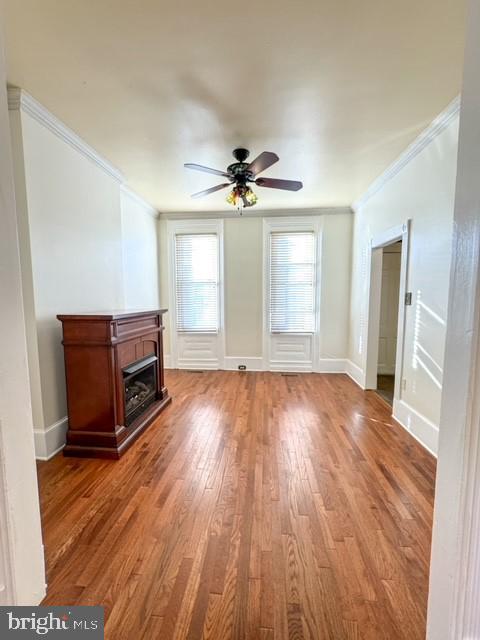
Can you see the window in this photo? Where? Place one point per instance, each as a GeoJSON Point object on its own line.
{"type": "Point", "coordinates": [292, 282]}
{"type": "Point", "coordinates": [196, 282]}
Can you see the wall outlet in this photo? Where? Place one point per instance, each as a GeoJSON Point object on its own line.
{"type": "Point", "coordinates": [242, 367]}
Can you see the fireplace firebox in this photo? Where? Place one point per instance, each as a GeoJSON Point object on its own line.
{"type": "Point", "coordinates": [140, 387]}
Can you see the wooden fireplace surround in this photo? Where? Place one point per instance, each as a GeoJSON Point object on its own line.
{"type": "Point", "coordinates": [97, 347]}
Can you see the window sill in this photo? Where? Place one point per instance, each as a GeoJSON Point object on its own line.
{"type": "Point", "coordinates": [200, 331]}
{"type": "Point", "coordinates": [293, 333]}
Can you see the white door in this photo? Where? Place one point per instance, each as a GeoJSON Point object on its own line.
{"type": "Point", "coordinates": [387, 342]}
{"type": "Point", "coordinates": [196, 293]}
{"type": "Point", "coordinates": [291, 293]}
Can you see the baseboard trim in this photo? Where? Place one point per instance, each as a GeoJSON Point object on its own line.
{"type": "Point", "coordinates": [417, 425]}
{"type": "Point", "coordinates": [355, 373]}
{"type": "Point", "coordinates": [256, 363]}
{"type": "Point", "coordinates": [252, 363]}
{"type": "Point", "coordinates": [49, 441]}
{"type": "Point", "coordinates": [207, 365]}
{"type": "Point", "coordinates": [386, 371]}
{"type": "Point", "coordinates": [284, 366]}
{"type": "Point", "coordinates": [211, 365]}
{"type": "Point", "coordinates": [331, 365]}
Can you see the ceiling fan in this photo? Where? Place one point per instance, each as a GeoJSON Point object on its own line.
{"type": "Point", "coordinates": [240, 174]}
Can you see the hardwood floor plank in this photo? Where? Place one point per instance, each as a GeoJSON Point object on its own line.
{"type": "Point", "coordinates": [258, 506]}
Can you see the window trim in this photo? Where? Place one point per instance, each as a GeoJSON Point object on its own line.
{"type": "Point", "coordinates": [176, 227]}
{"type": "Point", "coordinates": [292, 224]}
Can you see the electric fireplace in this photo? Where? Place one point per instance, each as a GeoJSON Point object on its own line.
{"type": "Point", "coordinates": [115, 379]}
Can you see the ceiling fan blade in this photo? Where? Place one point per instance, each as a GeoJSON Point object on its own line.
{"type": "Point", "coordinates": [200, 194]}
{"type": "Point", "coordinates": [200, 167]}
{"type": "Point", "coordinates": [273, 183]}
{"type": "Point", "coordinates": [262, 162]}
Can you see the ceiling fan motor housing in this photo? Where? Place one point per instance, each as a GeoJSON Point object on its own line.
{"type": "Point", "coordinates": [238, 170]}
{"type": "Point", "coordinates": [241, 154]}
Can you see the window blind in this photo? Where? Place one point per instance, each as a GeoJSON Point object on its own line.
{"type": "Point", "coordinates": [196, 282]}
{"type": "Point", "coordinates": [292, 282]}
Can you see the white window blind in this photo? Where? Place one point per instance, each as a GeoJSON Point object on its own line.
{"type": "Point", "coordinates": [196, 282]}
{"type": "Point", "coordinates": [292, 282]}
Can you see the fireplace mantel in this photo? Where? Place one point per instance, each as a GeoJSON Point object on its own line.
{"type": "Point", "coordinates": [99, 347]}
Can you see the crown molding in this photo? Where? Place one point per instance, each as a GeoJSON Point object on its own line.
{"type": "Point", "coordinates": [258, 213]}
{"type": "Point", "coordinates": [20, 100]}
{"type": "Point", "coordinates": [427, 136]}
{"type": "Point", "coordinates": [148, 208]}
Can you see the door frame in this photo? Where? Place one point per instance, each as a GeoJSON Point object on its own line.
{"type": "Point", "coordinates": [375, 262]}
{"type": "Point", "coordinates": [22, 570]}
{"type": "Point", "coordinates": [454, 592]}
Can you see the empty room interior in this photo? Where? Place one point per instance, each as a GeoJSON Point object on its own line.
{"type": "Point", "coordinates": [235, 313]}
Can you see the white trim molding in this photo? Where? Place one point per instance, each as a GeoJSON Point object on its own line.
{"type": "Point", "coordinates": [427, 136]}
{"type": "Point", "coordinates": [255, 363]}
{"type": "Point", "coordinates": [49, 441]}
{"type": "Point", "coordinates": [20, 100]}
{"type": "Point", "coordinates": [286, 366]}
{"type": "Point", "coordinates": [355, 372]}
{"type": "Point", "coordinates": [255, 213]}
{"type": "Point", "coordinates": [417, 425]}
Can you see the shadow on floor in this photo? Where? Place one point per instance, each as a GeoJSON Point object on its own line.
{"type": "Point", "coordinates": [385, 385]}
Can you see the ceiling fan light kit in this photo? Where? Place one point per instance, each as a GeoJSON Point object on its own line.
{"type": "Point", "coordinates": [241, 173]}
{"type": "Point", "coordinates": [241, 197]}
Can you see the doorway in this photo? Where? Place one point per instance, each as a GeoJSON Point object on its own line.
{"type": "Point", "coordinates": [388, 264]}
{"type": "Point", "coordinates": [388, 324]}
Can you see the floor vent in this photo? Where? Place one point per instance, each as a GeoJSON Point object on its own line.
{"type": "Point", "coordinates": [194, 371]}
{"type": "Point", "coordinates": [290, 375]}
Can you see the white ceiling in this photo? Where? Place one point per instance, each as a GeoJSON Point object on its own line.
{"type": "Point", "coordinates": [337, 88]}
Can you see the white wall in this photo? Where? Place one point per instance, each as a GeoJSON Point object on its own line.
{"type": "Point", "coordinates": [243, 248]}
{"type": "Point", "coordinates": [139, 253]}
{"type": "Point", "coordinates": [335, 285]}
{"type": "Point", "coordinates": [86, 244]}
{"type": "Point", "coordinates": [22, 574]}
{"type": "Point", "coordinates": [421, 188]}
{"type": "Point", "coordinates": [243, 286]}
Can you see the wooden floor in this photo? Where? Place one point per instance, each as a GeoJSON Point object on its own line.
{"type": "Point", "coordinates": [258, 506]}
{"type": "Point", "coordinates": [385, 387]}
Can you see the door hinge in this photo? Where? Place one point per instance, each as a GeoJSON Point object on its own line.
{"type": "Point", "coordinates": [408, 298]}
